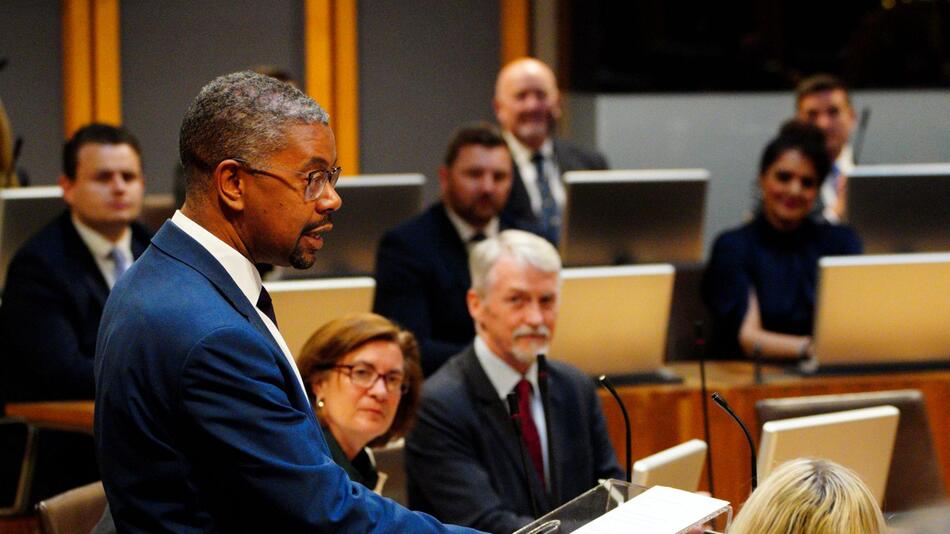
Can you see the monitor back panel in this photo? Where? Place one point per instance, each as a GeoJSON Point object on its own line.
{"type": "Point", "coordinates": [891, 309]}
{"type": "Point", "coordinates": [613, 320]}
{"type": "Point", "coordinates": [678, 467]}
{"type": "Point", "coordinates": [372, 205]}
{"type": "Point", "coordinates": [302, 306]}
{"type": "Point", "coordinates": [626, 217]}
{"type": "Point", "coordinates": [901, 208]}
{"type": "Point", "coordinates": [862, 440]}
{"type": "Point", "coordinates": [23, 212]}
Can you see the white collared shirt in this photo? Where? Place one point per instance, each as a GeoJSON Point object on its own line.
{"type": "Point", "coordinates": [101, 248]}
{"type": "Point", "coordinates": [504, 379]}
{"type": "Point", "coordinates": [467, 231]}
{"type": "Point", "coordinates": [829, 191]}
{"type": "Point", "coordinates": [529, 175]}
{"type": "Point", "coordinates": [242, 271]}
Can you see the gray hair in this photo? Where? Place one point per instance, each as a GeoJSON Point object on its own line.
{"type": "Point", "coordinates": [524, 247]}
{"type": "Point", "coordinates": [243, 114]}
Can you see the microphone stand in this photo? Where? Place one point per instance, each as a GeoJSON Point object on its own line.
{"type": "Point", "coordinates": [545, 403]}
{"type": "Point", "coordinates": [699, 343]}
{"type": "Point", "coordinates": [626, 422]}
{"type": "Point", "coordinates": [515, 414]}
{"type": "Point", "coordinates": [725, 406]}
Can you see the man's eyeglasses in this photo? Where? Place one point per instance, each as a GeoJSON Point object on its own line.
{"type": "Point", "coordinates": [316, 180]}
{"type": "Point", "coordinates": [364, 375]}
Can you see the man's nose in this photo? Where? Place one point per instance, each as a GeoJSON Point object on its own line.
{"type": "Point", "coordinates": [534, 316]}
{"type": "Point", "coordinates": [329, 200]}
{"type": "Point", "coordinates": [117, 182]}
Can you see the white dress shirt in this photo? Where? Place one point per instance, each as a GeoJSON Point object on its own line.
{"type": "Point", "coordinates": [101, 249]}
{"type": "Point", "coordinates": [829, 189]}
{"type": "Point", "coordinates": [467, 231]}
{"type": "Point", "coordinates": [242, 271]}
{"type": "Point", "coordinates": [529, 175]}
{"type": "Point", "coordinates": [504, 379]}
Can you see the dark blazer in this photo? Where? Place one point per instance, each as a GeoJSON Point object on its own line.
{"type": "Point", "coordinates": [50, 314]}
{"type": "Point", "coordinates": [569, 157]}
{"type": "Point", "coordinates": [421, 280]}
{"type": "Point", "coordinates": [463, 459]}
{"type": "Point", "coordinates": [201, 423]}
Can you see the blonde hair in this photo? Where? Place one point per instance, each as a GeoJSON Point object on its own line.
{"type": "Point", "coordinates": [810, 496]}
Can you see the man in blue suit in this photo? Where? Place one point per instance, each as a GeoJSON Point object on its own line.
{"type": "Point", "coordinates": [422, 265]}
{"type": "Point", "coordinates": [202, 421]}
{"type": "Point", "coordinates": [463, 457]}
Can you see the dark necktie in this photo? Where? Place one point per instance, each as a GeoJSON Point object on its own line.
{"type": "Point", "coordinates": [265, 305]}
{"type": "Point", "coordinates": [477, 238]}
{"type": "Point", "coordinates": [529, 432]}
{"type": "Point", "coordinates": [549, 220]}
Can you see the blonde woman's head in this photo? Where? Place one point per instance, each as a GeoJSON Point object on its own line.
{"type": "Point", "coordinates": [809, 496]}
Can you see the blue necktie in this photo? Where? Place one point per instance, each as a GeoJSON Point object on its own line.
{"type": "Point", "coordinates": [549, 220]}
{"type": "Point", "coordinates": [121, 262]}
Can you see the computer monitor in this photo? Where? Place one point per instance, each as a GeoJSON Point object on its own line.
{"type": "Point", "coordinates": [901, 208]}
{"type": "Point", "coordinates": [633, 216]}
{"type": "Point", "coordinates": [613, 320]}
{"type": "Point", "coordinates": [372, 205]}
{"type": "Point", "coordinates": [302, 306]}
{"type": "Point", "coordinates": [23, 212]}
{"type": "Point", "coordinates": [861, 440]}
{"type": "Point", "coordinates": [678, 467]}
{"type": "Point", "coordinates": [884, 311]}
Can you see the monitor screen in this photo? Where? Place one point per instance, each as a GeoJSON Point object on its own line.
{"type": "Point", "coordinates": [633, 216]}
{"type": "Point", "coordinates": [900, 208]}
{"type": "Point", "coordinates": [23, 212]}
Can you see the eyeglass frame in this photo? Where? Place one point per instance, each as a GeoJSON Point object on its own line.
{"type": "Point", "coordinates": [318, 176]}
{"type": "Point", "coordinates": [402, 389]}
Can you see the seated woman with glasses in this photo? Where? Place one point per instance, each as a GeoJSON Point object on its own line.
{"type": "Point", "coordinates": [363, 378]}
{"type": "Point", "coordinates": [760, 283]}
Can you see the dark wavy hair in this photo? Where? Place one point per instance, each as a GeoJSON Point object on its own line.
{"type": "Point", "coordinates": [803, 137]}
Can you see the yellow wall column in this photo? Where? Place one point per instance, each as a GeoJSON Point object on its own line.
{"type": "Point", "coordinates": [91, 67]}
{"type": "Point", "coordinates": [515, 29]}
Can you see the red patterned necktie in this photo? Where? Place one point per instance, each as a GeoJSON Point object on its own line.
{"type": "Point", "coordinates": [529, 432]}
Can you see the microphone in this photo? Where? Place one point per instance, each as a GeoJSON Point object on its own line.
{"type": "Point", "coordinates": [725, 406]}
{"type": "Point", "coordinates": [543, 386]}
{"type": "Point", "coordinates": [757, 362]}
{"type": "Point", "coordinates": [626, 422]}
{"type": "Point", "coordinates": [699, 344]}
{"type": "Point", "coordinates": [515, 415]}
{"type": "Point", "coordinates": [859, 134]}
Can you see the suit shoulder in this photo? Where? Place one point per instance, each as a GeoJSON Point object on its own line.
{"type": "Point", "coordinates": [572, 156]}
{"type": "Point", "coordinates": [571, 373]}
{"type": "Point", "coordinates": [840, 239]}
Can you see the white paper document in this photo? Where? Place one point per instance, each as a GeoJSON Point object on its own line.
{"type": "Point", "coordinates": [658, 510]}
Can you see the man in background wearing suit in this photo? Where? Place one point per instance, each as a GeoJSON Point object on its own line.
{"type": "Point", "coordinates": [59, 280]}
{"type": "Point", "coordinates": [823, 100]}
{"type": "Point", "coordinates": [527, 105]}
{"type": "Point", "coordinates": [463, 457]}
{"type": "Point", "coordinates": [422, 265]}
{"type": "Point", "coordinates": [202, 420]}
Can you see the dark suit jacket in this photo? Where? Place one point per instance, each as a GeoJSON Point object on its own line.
{"type": "Point", "coordinates": [50, 314]}
{"type": "Point", "coordinates": [569, 157]}
{"type": "Point", "coordinates": [463, 459]}
{"type": "Point", "coordinates": [201, 423]}
{"type": "Point", "coordinates": [421, 280]}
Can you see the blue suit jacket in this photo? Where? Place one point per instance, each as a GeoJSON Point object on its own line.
{"type": "Point", "coordinates": [201, 424]}
{"type": "Point", "coordinates": [463, 457]}
{"type": "Point", "coordinates": [421, 280]}
{"type": "Point", "coordinates": [50, 315]}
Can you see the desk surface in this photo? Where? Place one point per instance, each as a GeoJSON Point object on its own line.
{"type": "Point", "coordinates": [669, 414]}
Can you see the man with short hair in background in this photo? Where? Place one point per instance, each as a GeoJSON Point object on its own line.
{"type": "Point", "coordinates": [422, 265]}
{"type": "Point", "coordinates": [823, 100]}
{"type": "Point", "coordinates": [463, 457]}
{"type": "Point", "coordinates": [527, 105]}
{"type": "Point", "coordinates": [58, 282]}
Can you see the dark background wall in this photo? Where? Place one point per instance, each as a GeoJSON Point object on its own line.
{"type": "Point", "coordinates": [170, 49]}
{"type": "Point", "coordinates": [31, 85]}
{"type": "Point", "coordinates": [426, 67]}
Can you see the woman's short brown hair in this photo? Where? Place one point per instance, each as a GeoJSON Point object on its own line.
{"type": "Point", "coordinates": [339, 337]}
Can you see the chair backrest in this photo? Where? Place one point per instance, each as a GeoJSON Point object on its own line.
{"type": "Point", "coordinates": [914, 479]}
{"type": "Point", "coordinates": [391, 459]}
{"type": "Point", "coordinates": [17, 461]}
{"type": "Point", "coordinates": [74, 512]}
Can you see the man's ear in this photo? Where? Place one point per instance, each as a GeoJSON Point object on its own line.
{"type": "Point", "coordinates": [67, 186]}
{"type": "Point", "coordinates": [443, 180]}
{"type": "Point", "coordinates": [474, 303]}
{"type": "Point", "coordinates": [230, 184]}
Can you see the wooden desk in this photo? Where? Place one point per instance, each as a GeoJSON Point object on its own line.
{"type": "Point", "coordinates": [70, 415]}
{"type": "Point", "coordinates": [666, 415]}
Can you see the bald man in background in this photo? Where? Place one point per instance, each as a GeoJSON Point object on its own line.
{"type": "Point", "coordinates": [527, 105]}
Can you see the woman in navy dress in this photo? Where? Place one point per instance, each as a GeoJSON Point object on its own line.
{"type": "Point", "coordinates": [760, 282]}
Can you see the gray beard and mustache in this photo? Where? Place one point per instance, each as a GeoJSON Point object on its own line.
{"type": "Point", "coordinates": [527, 356]}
